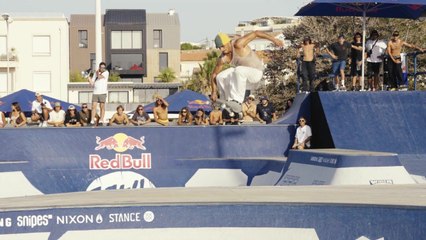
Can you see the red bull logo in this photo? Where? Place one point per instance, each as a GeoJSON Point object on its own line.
{"type": "Point", "coordinates": [198, 102]}
{"type": "Point", "coordinates": [120, 142]}
{"type": "Point", "coordinates": [120, 162]}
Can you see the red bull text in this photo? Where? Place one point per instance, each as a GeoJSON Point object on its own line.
{"type": "Point", "coordinates": [120, 162]}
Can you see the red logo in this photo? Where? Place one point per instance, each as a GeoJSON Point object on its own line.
{"type": "Point", "coordinates": [120, 162]}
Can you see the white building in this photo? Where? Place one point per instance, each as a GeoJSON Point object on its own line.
{"type": "Point", "coordinates": [266, 24]}
{"type": "Point", "coordinates": [38, 54]}
{"type": "Point", "coordinates": [191, 60]}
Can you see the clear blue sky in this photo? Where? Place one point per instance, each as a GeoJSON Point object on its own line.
{"type": "Point", "coordinates": [200, 19]}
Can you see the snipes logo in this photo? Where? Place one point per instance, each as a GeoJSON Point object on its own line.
{"type": "Point", "coordinates": [120, 142]}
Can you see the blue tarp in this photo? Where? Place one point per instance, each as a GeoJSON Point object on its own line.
{"type": "Point", "coordinates": [411, 9]}
{"type": "Point", "coordinates": [25, 98]}
{"type": "Point", "coordinates": [186, 98]}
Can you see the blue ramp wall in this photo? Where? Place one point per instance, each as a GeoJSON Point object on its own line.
{"type": "Point", "coordinates": [379, 121]}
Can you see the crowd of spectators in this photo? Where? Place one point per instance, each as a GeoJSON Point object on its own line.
{"type": "Point", "coordinates": [44, 115]}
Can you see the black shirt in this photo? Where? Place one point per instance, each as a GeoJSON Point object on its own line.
{"type": "Point", "coordinates": [356, 54]}
{"type": "Point", "coordinates": [265, 112]}
{"type": "Point", "coordinates": [72, 119]}
{"type": "Point", "coordinates": [227, 116]}
{"type": "Point", "coordinates": [341, 51]}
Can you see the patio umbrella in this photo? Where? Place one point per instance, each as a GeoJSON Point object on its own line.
{"type": "Point", "coordinates": [410, 9]}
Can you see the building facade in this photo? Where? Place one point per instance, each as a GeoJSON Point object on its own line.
{"type": "Point", "coordinates": [137, 46]}
{"type": "Point", "coordinates": [38, 48]}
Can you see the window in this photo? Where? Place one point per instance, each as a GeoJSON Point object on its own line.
{"type": "Point", "coordinates": [126, 39]}
{"type": "Point", "coordinates": [85, 97]}
{"type": "Point", "coordinates": [3, 82]}
{"type": "Point", "coordinates": [118, 97]}
{"type": "Point", "coordinates": [3, 46]}
{"type": "Point", "coordinates": [145, 96]}
{"type": "Point", "coordinates": [82, 39]}
{"type": "Point", "coordinates": [41, 45]}
{"type": "Point", "coordinates": [132, 61]}
{"type": "Point", "coordinates": [158, 38]}
{"type": "Point", "coordinates": [164, 61]}
{"type": "Point", "coordinates": [93, 62]}
{"type": "Point", "coordinates": [42, 81]}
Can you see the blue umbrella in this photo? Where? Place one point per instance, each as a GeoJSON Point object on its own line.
{"type": "Point", "coordinates": [186, 98]}
{"type": "Point", "coordinates": [411, 9]}
{"type": "Point", "coordinates": [25, 98]}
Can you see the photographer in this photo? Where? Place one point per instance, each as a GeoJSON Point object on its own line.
{"type": "Point", "coordinates": [40, 110]}
{"type": "Point", "coordinates": [100, 90]}
{"type": "Point", "coordinates": [375, 49]}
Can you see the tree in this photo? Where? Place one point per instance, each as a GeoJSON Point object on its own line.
{"type": "Point", "coordinates": [200, 81]}
{"type": "Point", "coordinates": [280, 73]}
{"type": "Point", "coordinates": [167, 75]}
{"type": "Point", "coordinates": [188, 46]}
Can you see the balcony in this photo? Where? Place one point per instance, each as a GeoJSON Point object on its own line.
{"type": "Point", "coordinates": [13, 61]}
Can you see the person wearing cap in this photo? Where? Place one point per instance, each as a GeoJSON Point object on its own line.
{"type": "Point", "coordinates": [307, 52]}
{"type": "Point", "coordinates": [339, 52]}
{"type": "Point", "coordinates": [100, 90]}
{"type": "Point", "coordinates": [303, 135]}
{"type": "Point", "coordinates": [246, 66]}
{"type": "Point", "coordinates": [161, 111]}
{"type": "Point", "coordinates": [72, 118]}
{"type": "Point", "coordinates": [394, 51]}
{"type": "Point", "coordinates": [86, 116]}
{"type": "Point", "coordinates": [249, 109]}
{"type": "Point", "coordinates": [40, 110]}
{"type": "Point", "coordinates": [57, 116]}
{"type": "Point", "coordinates": [215, 116]}
{"type": "Point", "coordinates": [265, 112]}
{"type": "Point", "coordinates": [376, 49]}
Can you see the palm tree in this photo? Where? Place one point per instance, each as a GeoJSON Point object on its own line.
{"type": "Point", "coordinates": [167, 75]}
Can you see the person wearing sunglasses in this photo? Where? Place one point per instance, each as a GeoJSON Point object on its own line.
{"type": "Point", "coordinates": [303, 136]}
{"type": "Point", "coordinates": [140, 117]}
{"type": "Point", "coordinates": [100, 90]}
{"type": "Point", "coordinates": [185, 117]}
{"type": "Point", "coordinates": [86, 115]}
{"type": "Point", "coordinates": [394, 51]}
{"type": "Point", "coordinates": [17, 117]}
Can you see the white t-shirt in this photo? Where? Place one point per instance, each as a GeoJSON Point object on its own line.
{"type": "Point", "coordinates": [101, 84]}
{"type": "Point", "coordinates": [37, 105]}
{"type": "Point", "coordinates": [378, 50]}
{"type": "Point", "coordinates": [302, 133]}
{"type": "Point", "coordinates": [57, 116]}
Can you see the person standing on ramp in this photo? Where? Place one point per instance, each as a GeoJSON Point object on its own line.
{"type": "Point", "coordinates": [245, 66]}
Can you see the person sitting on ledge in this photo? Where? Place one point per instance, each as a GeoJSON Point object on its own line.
{"type": "Point", "coordinates": [303, 136]}
{"type": "Point", "coordinates": [119, 118]}
{"type": "Point", "coordinates": [72, 118]}
{"type": "Point", "coordinates": [161, 111]}
{"type": "Point", "coordinates": [185, 117]}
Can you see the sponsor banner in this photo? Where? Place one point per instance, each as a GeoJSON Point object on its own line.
{"type": "Point", "coordinates": [92, 159]}
{"type": "Point", "coordinates": [324, 221]}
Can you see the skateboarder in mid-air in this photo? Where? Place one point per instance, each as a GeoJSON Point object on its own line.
{"type": "Point", "coordinates": [245, 66]}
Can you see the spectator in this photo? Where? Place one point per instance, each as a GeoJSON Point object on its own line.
{"type": "Point", "coordinates": [57, 116]}
{"type": "Point", "coordinates": [288, 104]}
{"type": "Point", "coordinates": [72, 118]}
{"type": "Point", "coordinates": [265, 111]}
{"type": "Point", "coordinates": [376, 49]}
{"type": "Point", "coordinates": [140, 117]}
{"type": "Point", "coordinates": [86, 116]}
{"type": "Point", "coordinates": [201, 118]}
{"type": "Point", "coordinates": [249, 109]}
{"type": "Point", "coordinates": [303, 136]}
{"type": "Point", "coordinates": [161, 111]}
{"type": "Point", "coordinates": [339, 52]}
{"type": "Point", "coordinates": [216, 115]}
{"type": "Point", "coordinates": [185, 117]}
{"type": "Point", "coordinates": [2, 120]}
{"type": "Point", "coordinates": [17, 117]}
{"type": "Point", "coordinates": [356, 60]}
{"type": "Point", "coordinates": [119, 118]}
{"type": "Point", "coordinates": [100, 90]}
{"type": "Point", "coordinates": [394, 50]}
{"type": "Point", "coordinates": [308, 50]}
{"type": "Point", "coordinates": [229, 117]}
{"type": "Point", "coordinates": [40, 110]}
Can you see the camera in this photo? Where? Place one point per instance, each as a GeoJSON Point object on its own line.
{"type": "Point", "coordinates": [369, 52]}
